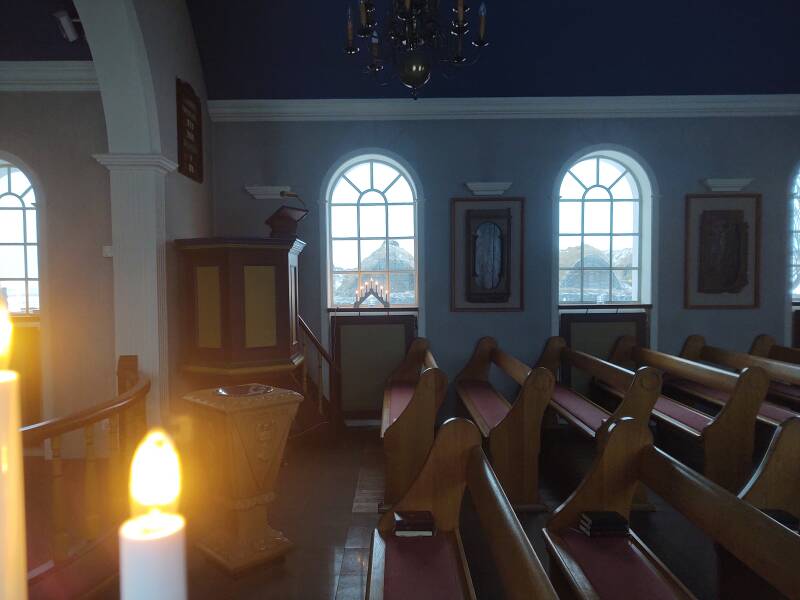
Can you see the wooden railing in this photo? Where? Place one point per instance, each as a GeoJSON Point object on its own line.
{"type": "Point", "coordinates": [126, 417]}
{"type": "Point", "coordinates": [322, 379]}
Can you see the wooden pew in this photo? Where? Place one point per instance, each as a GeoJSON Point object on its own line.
{"type": "Point", "coordinates": [766, 347]}
{"type": "Point", "coordinates": [784, 378]}
{"type": "Point", "coordinates": [623, 567]}
{"type": "Point", "coordinates": [412, 396]}
{"type": "Point", "coordinates": [513, 431]}
{"type": "Point", "coordinates": [641, 389]}
{"type": "Point", "coordinates": [727, 439]}
{"type": "Point", "coordinates": [775, 486]}
{"type": "Point", "coordinates": [435, 567]}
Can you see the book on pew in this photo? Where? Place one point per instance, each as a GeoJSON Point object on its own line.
{"type": "Point", "coordinates": [601, 523]}
{"type": "Point", "coordinates": [414, 523]}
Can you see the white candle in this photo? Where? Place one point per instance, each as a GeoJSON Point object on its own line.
{"type": "Point", "coordinates": [13, 554]}
{"type": "Point", "coordinates": [152, 543]}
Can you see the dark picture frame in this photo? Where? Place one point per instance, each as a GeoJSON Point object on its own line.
{"type": "Point", "coordinates": [486, 254]}
{"type": "Point", "coordinates": [722, 250]}
{"type": "Point", "coordinates": [190, 131]}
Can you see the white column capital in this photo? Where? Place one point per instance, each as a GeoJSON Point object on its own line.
{"type": "Point", "coordinates": [119, 161]}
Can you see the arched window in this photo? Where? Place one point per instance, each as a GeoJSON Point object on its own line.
{"type": "Point", "coordinates": [603, 231]}
{"type": "Point", "coordinates": [372, 232]}
{"type": "Point", "coordinates": [794, 241]}
{"type": "Point", "coordinates": [19, 258]}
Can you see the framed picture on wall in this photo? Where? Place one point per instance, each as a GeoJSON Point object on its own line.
{"type": "Point", "coordinates": [486, 249]}
{"type": "Point", "coordinates": [722, 254]}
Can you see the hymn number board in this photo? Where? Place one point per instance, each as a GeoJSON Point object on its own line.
{"type": "Point", "coordinates": [190, 132]}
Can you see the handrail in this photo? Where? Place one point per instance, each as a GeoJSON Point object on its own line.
{"type": "Point", "coordinates": [314, 340]}
{"type": "Point", "coordinates": [38, 432]}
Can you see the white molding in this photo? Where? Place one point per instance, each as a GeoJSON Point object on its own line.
{"type": "Point", "coordinates": [488, 188]}
{"type": "Point", "coordinates": [267, 192]}
{"type": "Point", "coordinates": [605, 107]}
{"type": "Point", "coordinates": [136, 161]}
{"type": "Point", "coordinates": [727, 184]}
{"type": "Point", "coordinates": [48, 76]}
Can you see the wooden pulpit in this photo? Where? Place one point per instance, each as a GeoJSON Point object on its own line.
{"type": "Point", "coordinates": [239, 307]}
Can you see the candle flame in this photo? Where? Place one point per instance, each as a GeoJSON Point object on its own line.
{"type": "Point", "coordinates": [5, 334]}
{"type": "Point", "coordinates": [155, 483]}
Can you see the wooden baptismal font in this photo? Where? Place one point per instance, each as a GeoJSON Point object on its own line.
{"type": "Point", "coordinates": [240, 435]}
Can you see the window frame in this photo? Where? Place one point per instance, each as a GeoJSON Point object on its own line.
{"type": "Point", "coordinates": [29, 210]}
{"type": "Point", "coordinates": [631, 167]}
{"type": "Point", "coordinates": [361, 275]}
{"type": "Point", "coordinates": [794, 234]}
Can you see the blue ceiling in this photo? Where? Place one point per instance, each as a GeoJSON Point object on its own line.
{"type": "Point", "coordinates": [28, 31]}
{"type": "Point", "coordinates": [293, 49]}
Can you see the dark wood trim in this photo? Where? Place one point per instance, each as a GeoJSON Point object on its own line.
{"type": "Point", "coordinates": [599, 307]}
{"type": "Point", "coordinates": [453, 202]}
{"type": "Point", "coordinates": [341, 310]}
{"type": "Point", "coordinates": [566, 320]}
{"type": "Point", "coordinates": [757, 259]}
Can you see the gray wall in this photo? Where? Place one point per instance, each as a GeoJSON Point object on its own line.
{"type": "Point", "coordinates": [55, 135]}
{"type": "Point", "coordinates": [444, 154]}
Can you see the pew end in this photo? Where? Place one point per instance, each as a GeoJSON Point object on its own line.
{"type": "Point", "coordinates": [412, 397]}
{"type": "Point", "coordinates": [550, 358]}
{"type": "Point", "coordinates": [776, 482]}
{"type": "Point", "coordinates": [512, 431]}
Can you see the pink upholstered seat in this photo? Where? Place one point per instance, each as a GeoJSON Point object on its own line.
{"type": "Point", "coordinates": [582, 409]}
{"type": "Point", "coordinates": [616, 567]}
{"type": "Point", "coordinates": [767, 410]}
{"type": "Point", "coordinates": [492, 407]}
{"type": "Point", "coordinates": [422, 568]}
{"type": "Point", "coordinates": [699, 390]}
{"type": "Point", "coordinates": [682, 413]}
{"type": "Point", "coordinates": [400, 394]}
{"type": "Point", "coordinates": [791, 392]}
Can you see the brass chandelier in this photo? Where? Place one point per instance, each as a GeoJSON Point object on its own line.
{"type": "Point", "coordinates": [412, 39]}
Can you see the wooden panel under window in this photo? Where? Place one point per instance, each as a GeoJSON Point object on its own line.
{"type": "Point", "coordinates": [26, 359]}
{"type": "Point", "coordinates": [595, 334]}
{"type": "Point", "coordinates": [367, 349]}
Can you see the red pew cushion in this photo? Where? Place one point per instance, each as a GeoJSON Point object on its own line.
{"type": "Point", "coordinates": [767, 410]}
{"type": "Point", "coordinates": [422, 568]}
{"type": "Point", "coordinates": [616, 567]}
{"type": "Point", "coordinates": [400, 395]}
{"type": "Point", "coordinates": [492, 407]}
{"type": "Point", "coordinates": [682, 413]}
{"type": "Point", "coordinates": [582, 409]}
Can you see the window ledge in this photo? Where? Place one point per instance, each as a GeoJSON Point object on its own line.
{"type": "Point", "coordinates": [609, 306]}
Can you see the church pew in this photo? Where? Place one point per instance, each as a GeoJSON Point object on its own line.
{"type": "Point", "coordinates": [412, 396]}
{"type": "Point", "coordinates": [784, 378]}
{"type": "Point", "coordinates": [513, 431]}
{"type": "Point", "coordinates": [624, 567]}
{"type": "Point", "coordinates": [775, 486]}
{"type": "Point", "coordinates": [727, 439]}
{"type": "Point", "coordinates": [435, 567]}
{"type": "Point", "coordinates": [766, 347]}
{"type": "Point", "coordinates": [641, 389]}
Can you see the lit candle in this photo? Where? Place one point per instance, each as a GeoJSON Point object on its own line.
{"type": "Point", "coordinates": [460, 12]}
{"type": "Point", "coordinates": [349, 27]}
{"type": "Point", "coordinates": [482, 25]}
{"type": "Point", "coordinates": [152, 544]}
{"type": "Point", "coordinates": [408, 6]}
{"type": "Point", "coordinates": [362, 6]}
{"type": "Point", "coordinates": [13, 555]}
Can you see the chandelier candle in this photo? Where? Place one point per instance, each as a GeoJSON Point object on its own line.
{"type": "Point", "coordinates": [460, 12]}
{"type": "Point", "coordinates": [152, 543]}
{"type": "Point", "coordinates": [362, 7]}
{"type": "Point", "coordinates": [13, 561]}
{"type": "Point", "coordinates": [482, 22]}
{"type": "Point", "coordinates": [349, 27]}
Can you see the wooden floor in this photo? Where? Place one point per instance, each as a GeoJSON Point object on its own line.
{"type": "Point", "coordinates": [328, 492]}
